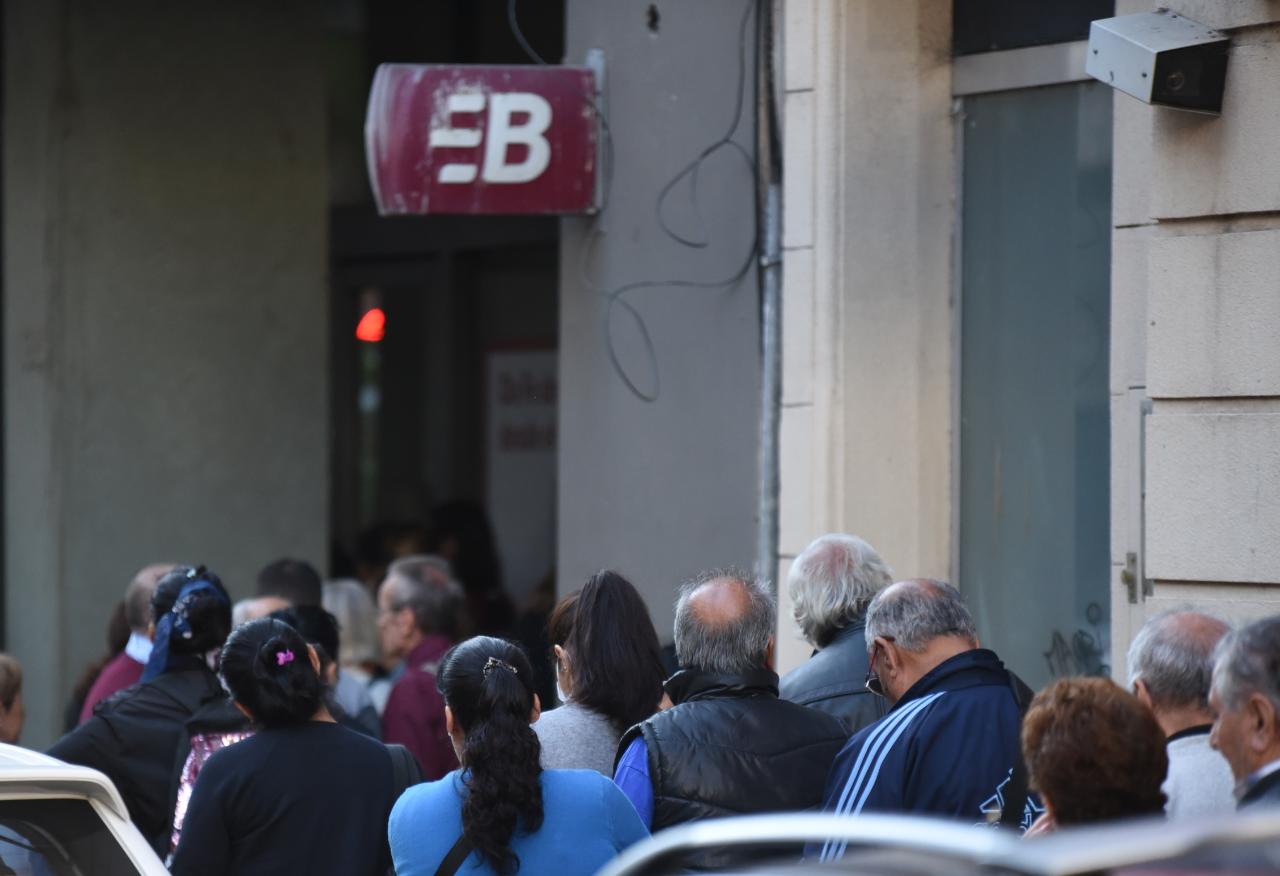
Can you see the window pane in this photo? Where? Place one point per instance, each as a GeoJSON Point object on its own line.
{"type": "Point", "coordinates": [1034, 441]}
{"type": "Point", "coordinates": [58, 838]}
{"type": "Point", "coordinates": [995, 25]}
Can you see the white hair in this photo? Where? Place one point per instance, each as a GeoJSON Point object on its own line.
{"type": "Point", "coordinates": [831, 584]}
{"type": "Point", "coordinates": [351, 604]}
{"type": "Point", "coordinates": [726, 648]}
{"type": "Point", "coordinates": [916, 614]}
{"type": "Point", "coordinates": [1173, 654]}
{"type": "Point", "coordinates": [1248, 662]}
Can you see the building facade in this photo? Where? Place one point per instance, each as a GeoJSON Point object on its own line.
{"type": "Point", "coordinates": [1030, 322]}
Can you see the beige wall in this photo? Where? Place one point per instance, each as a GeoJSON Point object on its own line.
{"type": "Point", "coordinates": [868, 320]}
{"type": "Point", "coordinates": [869, 214]}
{"type": "Point", "coordinates": [1195, 323]}
{"type": "Point", "coordinates": [164, 310]}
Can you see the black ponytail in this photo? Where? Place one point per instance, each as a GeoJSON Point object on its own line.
{"type": "Point", "coordinates": [266, 666]}
{"type": "Point", "coordinates": [488, 685]}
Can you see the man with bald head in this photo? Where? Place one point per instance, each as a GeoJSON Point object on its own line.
{"type": "Point", "coordinates": [125, 669]}
{"type": "Point", "coordinates": [949, 744]}
{"type": "Point", "coordinates": [727, 745]}
{"type": "Point", "coordinates": [1171, 670]}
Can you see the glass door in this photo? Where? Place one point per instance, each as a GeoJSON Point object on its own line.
{"type": "Point", "coordinates": [1035, 317]}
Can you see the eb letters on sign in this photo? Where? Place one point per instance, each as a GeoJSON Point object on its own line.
{"type": "Point", "coordinates": [479, 139]}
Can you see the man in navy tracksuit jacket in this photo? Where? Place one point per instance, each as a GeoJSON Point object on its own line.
{"type": "Point", "coordinates": [949, 744]}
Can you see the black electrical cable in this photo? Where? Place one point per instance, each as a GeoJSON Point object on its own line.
{"type": "Point", "coordinates": [519, 34]}
{"type": "Point", "coordinates": [615, 297]}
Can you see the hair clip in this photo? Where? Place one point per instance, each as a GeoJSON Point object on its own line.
{"type": "Point", "coordinates": [494, 663]}
{"type": "Point", "coordinates": [283, 657]}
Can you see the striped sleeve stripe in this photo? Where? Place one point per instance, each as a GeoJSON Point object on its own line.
{"type": "Point", "coordinates": [876, 748]}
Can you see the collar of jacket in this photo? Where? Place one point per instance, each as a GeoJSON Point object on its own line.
{"type": "Point", "coordinates": [966, 669]}
{"type": "Point", "coordinates": [426, 655]}
{"type": "Point", "coordinates": [1259, 783]}
{"type": "Point", "coordinates": [690, 684]}
{"type": "Point", "coordinates": [857, 630]}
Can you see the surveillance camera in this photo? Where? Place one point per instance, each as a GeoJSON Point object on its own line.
{"type": "Point", "coordinates": [1160, 58]}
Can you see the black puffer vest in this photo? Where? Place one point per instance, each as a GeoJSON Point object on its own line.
{"type": "Point", "coordinates": [729, 746]}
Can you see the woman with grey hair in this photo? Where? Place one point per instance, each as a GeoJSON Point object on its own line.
{"type": "Point", "coordinates": [349, 601]}
{"type": "Point", "coordinates": [831, 583]}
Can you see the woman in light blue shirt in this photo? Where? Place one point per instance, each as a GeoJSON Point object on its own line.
{"type": "Point", "coordinates": [501, 813]}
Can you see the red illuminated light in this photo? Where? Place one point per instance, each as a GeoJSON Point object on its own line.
{"type": "Point", "coordinates": [372, 326]}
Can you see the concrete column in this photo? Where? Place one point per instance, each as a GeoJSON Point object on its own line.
{"type": "Point", "coordinates": [661, 489]}
{"type": "Point", "coordinates": [867, 290]}
{"type": "Point", "coordinates": [1194, 324]}
{"type": "Point", "coordinates": [165, 354]}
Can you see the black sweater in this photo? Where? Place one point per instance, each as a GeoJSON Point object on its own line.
{"type": "Point", "coordinates": [312, 799]}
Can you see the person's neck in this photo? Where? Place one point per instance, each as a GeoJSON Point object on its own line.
{"type": "Point", "coordinates": [1264, 760]}
{"type": "Point", "coordinates": [937, 652]}
{"type": "Point", "coordinates": [324, 716]}
{"type": "Point", "coordinates": [1176, 720]}
{"type": "Point", "coordinates": [413, 641]}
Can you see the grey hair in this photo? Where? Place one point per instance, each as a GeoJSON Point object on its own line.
{"type": "Point", "coordinates": [1173, 655]}
{"type": "Point", "coordinates": [425, 585]}
{"type": "Point", "coordinates": [831, 584]}
{"type": "Point", "coordinates": [919, 611]}
{"type": "Point", "coordinates": [726, 648]}
{"type": "Point", "coordinates": [350, 603]}
{"type": "Point", "coordinates": [137, 596]}
{"type": "Point", "coordinates": [1248, 662]}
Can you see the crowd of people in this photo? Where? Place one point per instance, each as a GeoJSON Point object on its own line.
{"type": "Point", "coordinates": [324, 728]}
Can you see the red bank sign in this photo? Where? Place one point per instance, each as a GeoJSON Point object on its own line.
{"type": "Point", "coordinates": [466, 139]}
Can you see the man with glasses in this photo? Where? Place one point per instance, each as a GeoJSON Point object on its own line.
{"type": "Point", "coordinates": [419, 607]}
{"type": "Point", "coordinates": [949, 744]}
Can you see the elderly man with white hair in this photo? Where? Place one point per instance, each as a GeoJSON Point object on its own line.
{"type": "Point", "coordinates": [1246, 699]}
{"type": "Point", "coordinates": [831, 584]}
{"type": "Point", "coordinates": [1170, 671]}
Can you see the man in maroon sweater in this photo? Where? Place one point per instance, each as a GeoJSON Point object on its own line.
{"type": "Point", "coordinates": [418, 607]}
{"type": "Point", "coordinates": [125, 669]}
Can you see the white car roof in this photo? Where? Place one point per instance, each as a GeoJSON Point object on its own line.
{"type": "Point", "coordinates": [24, 772]}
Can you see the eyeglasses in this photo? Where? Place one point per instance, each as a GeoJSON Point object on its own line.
{"type": "Point", "coordinates": [872, 681]}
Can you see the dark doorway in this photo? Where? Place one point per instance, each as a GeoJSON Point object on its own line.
{"type": "Point", "coordinates": [453, 399]}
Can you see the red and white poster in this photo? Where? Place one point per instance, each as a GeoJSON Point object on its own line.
{"type": "Point", "coordinates": [521, 450]}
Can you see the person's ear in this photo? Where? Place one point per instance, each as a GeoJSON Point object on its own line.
{"type": "Point", "coordinates": [450, 723]}
{"type": "Point", "coordinates": [562, 656]}
{"type": "Point", "coordinates": [1143, 694]}
{"type": "Point", "coordinates": [890, 656]}
{"type": "Point", "coordinates": [768, 653]}
{"type": "Point", "coordinates": [537, 710]}
{"type": "Point", "coordinates": [315, 658]}
{"type": "Point", "coordinates": [1260, 722]}
{"type": "Point", "coordinates": [151, 630]}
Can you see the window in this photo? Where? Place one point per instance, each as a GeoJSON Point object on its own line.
{"type": "Point", "coordinates": [1035, 318]}
{"type": "Point", "coordinates": [58, 838]}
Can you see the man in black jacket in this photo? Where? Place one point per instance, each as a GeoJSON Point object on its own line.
{"type": "Point", "coordinates": [1246, 699]}
{"type": "Point", "coordinates": [728, 745]}
{"type": "Point", "coordinates": [831, 584]}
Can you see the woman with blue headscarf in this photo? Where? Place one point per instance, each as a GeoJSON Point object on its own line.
{"type": "Point", "coordinates": [139, 737]}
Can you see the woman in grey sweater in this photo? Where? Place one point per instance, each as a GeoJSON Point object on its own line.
{"type": "Point", "coordinates": [608, 674]}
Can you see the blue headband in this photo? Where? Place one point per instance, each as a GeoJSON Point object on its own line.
{"type": "Point", "coordinates": [176, 621]}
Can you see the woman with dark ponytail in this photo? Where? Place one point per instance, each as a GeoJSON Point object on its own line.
{"type": "Point", "coordinates": [501, 813]}
{"type": "Point", "coordinates": [303, 794]}
{"type": "Point", "coordinates": [139, 736]}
